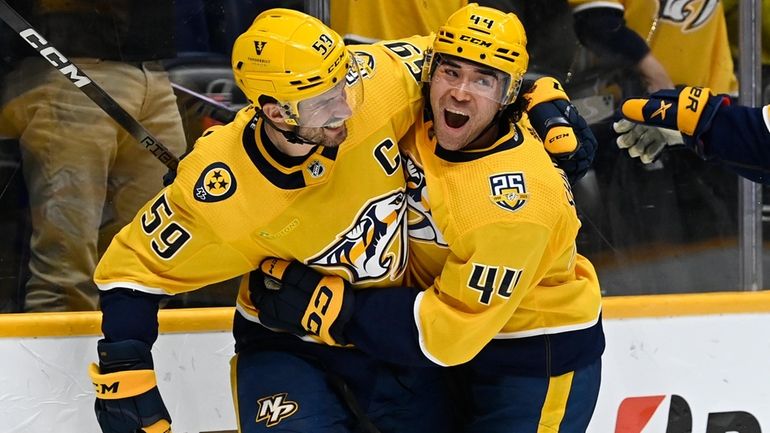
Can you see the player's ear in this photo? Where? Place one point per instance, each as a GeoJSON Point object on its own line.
{"type": "Point", "coordinates": [273, 112]}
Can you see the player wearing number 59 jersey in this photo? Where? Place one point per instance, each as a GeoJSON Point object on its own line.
{"type": "Point", "coordinates": [309, 171]}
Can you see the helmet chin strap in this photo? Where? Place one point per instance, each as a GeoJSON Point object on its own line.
{"type": "Point", "coordinates": [290, 136]}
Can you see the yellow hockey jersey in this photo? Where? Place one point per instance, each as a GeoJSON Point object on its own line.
{"type": "Point", "coordinates": [236, 200]}
{"type": "Point", "coordinates": [393, 19]}
{"type": "Point", "coordinates": [492, 239]}
{"type": "Point", "coordinates": [492, 246]}
{"type": "Point", "coordinates": [689, 38]}
{"type": "Point", "coordinates": [732, 17]}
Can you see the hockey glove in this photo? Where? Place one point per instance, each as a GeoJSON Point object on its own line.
{"type": "Point", "coordinates": [566, 135]}
{"type": "Point", "coordinates": [645, 142]}
{"type": "Point", "coordinates": [305, 301]}
{"type": "Point", "coordinates": [127, 397]}
{"type": "Point", "coordinates": [689, 110]}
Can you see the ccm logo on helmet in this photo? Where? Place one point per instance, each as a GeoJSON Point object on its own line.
{"type": "Point", "coordinates": [336, 62]}
{"type": "Point", "coordinates": [475, 40]}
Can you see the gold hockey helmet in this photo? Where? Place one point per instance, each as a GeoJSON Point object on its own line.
{"type": "Point", "coordinates": [485, 36]}
{"type": "Point", "coordinates": [292, 57]}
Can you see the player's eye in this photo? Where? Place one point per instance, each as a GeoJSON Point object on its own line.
{"type": "Point", "coordinates": [449, 72]}
{"type": "Point", "coordinates": [485, 82]}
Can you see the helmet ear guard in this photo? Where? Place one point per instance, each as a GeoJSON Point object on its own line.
{"type": "Point", "coordinates": [485, 36]}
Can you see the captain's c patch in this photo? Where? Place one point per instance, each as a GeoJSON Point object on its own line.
{"type": "Point", "coordinates": [508, 190]}
{"type": "Point", "coordinates": [216, 183]}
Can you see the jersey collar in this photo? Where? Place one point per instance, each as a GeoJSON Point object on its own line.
{"type": "Point", "coordinates": [284, 171]}
{"type": "Point", "coordinates": [507, 141]}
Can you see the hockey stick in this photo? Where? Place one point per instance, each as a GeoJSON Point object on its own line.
{"type": "Point", "coordinates": [86, 85]}
{"type": "Point", "coordinates": [207, 106]}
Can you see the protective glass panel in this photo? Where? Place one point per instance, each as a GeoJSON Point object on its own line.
{"type": "Point", "coordinates": [70, 181]}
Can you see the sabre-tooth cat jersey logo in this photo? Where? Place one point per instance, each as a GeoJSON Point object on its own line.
{"type": "Point", "coordinates": [421, 224]}
{"type": "Point", "coordinates": [275, 409]}
{"type": "Point", "coordinates": [364, 249]}
{"type": "Point", "coordinates": [216, 183]}
{"type": "Point", "coordinates": [508, 190]}
{"type": "Point", "coordinates": [688, 12]}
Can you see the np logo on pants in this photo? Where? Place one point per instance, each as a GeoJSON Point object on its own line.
{"type": "Point", "coordinates": [275, 409]}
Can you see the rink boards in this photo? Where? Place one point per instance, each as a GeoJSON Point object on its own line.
{"type": "Point", "coordinates": [674, 363]}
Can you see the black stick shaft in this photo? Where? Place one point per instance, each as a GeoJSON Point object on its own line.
{"type": "Point", "coordinates": [86, 85]}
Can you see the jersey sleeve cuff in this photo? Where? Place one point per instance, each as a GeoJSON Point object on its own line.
{"type": "Point", "coordinates": [384, 325]}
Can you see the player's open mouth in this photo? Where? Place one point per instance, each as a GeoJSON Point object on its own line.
{"type": "Point", "coordinates": [455, 119]}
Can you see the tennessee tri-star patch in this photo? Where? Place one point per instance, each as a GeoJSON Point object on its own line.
{"type": "Point", "coordinates": [216, 183]}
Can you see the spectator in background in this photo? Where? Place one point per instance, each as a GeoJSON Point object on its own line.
{"type": "Point", "coordinates": [85, 175]}
{"type": "Point", "coordinates": [670, 42]}
{"type": "Point", "coordinates": [732, 18]}
{"type": "Point", "coordinates": [676, 40]}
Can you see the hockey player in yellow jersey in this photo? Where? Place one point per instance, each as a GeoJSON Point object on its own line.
{"type": "Point", "coordinates": [687, 39]}
{"type": "Point", "coordinates": [496, 287]}
{"type": "Point", "coordinates": [309, 171]}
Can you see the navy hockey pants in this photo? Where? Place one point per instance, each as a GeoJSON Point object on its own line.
{"type": "Point", "coordinates": [505, 403]}
{"type": "Point", "coordinates": [282, 392]}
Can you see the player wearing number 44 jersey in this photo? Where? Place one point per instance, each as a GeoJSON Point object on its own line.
{"type": "Point", "coordinates": [500, 291]}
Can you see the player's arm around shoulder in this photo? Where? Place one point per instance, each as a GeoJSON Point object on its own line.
{"type": "Point", "coordinates": [566, 136]}
{"type": "Point", "coordinates": [409, 56]}
{"type": "Point", "coordinates": [411, 48]}
{"type": "Point", "coordinates": [399, 59]}
{"type": "Point", "coordinates": [391, 76]}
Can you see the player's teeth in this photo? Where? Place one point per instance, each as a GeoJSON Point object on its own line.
{"type": "Point", "coordinates": [456, 112]}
